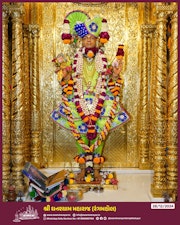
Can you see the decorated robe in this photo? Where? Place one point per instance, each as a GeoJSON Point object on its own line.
{"type": "Point", "coordinates": [90, 106]}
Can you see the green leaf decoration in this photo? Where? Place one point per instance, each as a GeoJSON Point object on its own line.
{"type": "Point", "coordinates": [76, 16]}
{"type": "Point", "coordinates": [94, 26]}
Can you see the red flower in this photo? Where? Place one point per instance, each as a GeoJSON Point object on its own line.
{"type": "Point", "coordinates": [91, 136]}
{"type": "Point", "coordinates": [114, 181]}
{"type": "Point", "coordinates": [104, 35]}
{"type": "Point", "coordinates": [66, 36]}
{"type": "Point", "coordinates": [108, 71]}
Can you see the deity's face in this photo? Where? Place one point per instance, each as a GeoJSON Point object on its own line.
{"type": "Point", "coordinates": [89, 41]}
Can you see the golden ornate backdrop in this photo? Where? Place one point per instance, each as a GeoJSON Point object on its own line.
{"type": "Point", "coordinates": [124, 21]}
{"type": "Point", "coordinates": [32, 35]}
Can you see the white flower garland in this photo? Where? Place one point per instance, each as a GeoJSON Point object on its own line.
{"type": "Point", "coordinates": [100, 65]}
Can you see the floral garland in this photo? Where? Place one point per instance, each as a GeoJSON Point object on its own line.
{"type": "Point", "coordinates": [72, 125]}
{"type": "Point", "coordinates": [103, 133]}
{"type": "Point", "coordinates": [90, 116]}
{"type": "Point", "coordinates": [67, 87]}
{"type": "Point", "coordinates": [100, 61]}
{"type": "Point", "coordinates": [114, 86]}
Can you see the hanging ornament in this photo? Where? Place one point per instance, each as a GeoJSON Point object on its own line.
{"type": "Point", "coordinates": [66, 36]}
{"type": "Point", "coordinates": [104, 36]}
{"type": "Point", "coordinates": [120, 52]}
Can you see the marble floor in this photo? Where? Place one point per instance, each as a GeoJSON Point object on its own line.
{"type": "Point", "coordinates": [133, 186]}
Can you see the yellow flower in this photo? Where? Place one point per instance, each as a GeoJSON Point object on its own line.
{"type": "Point", "coordinates": [71, 175]}
{"type": "Point", "coordinates": [64, 193]}
{"type": "Point", "coordinates": [107, 181]}
{"type": "Point", "coordinates": [59, 77]}
{"type": "Point", "coordinates": [71, 181]}
{"type": "Point", "coordinates": [63, 65]}
{"type": "Point", "coordinates": [88, 179]}
{"type": "Point", "coordinates": [110, 175]}
{"type": "Point", "coordinates": [48, 199]}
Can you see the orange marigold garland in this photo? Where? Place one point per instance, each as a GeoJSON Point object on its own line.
{"type": "Point", "coordinates": [120, 52]}
{"type": "Point", "coordinates": [90, 118]}
{"type": "Point", "coordinates": [114, 86]}
{"type": "Point", "coordinates": [98, 159]}
{"type": "Point", "coordinates": [67, 87]}
{"type": "Point", "coordinates": [103, 133]}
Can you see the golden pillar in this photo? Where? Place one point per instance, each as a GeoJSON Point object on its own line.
{"type": "Point", "coordinates": [36, 152]}
{"type": "Point", "coordinates": [26, 64]}
{"type": "Point", "coordinates": [17, 97]}
{"type": "Point", "coordinates": [152, 61]}
{"type": "Point", "coordinates": [164, 106]}
{"type": "Point", "coordinates": [160, 104]}
{"type": "Point", "coordinates": [172, 118]}
{"type": "Point", "coordinates": [144, 122]}
{"type": "Point", "coordinates": [6, 137]}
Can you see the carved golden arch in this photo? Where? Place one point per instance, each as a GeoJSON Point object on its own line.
{"type": "Point", "coordinates": [157, 127]}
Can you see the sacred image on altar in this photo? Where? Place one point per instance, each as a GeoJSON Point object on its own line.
{"type": "Point", "coordinates": [90, 101]}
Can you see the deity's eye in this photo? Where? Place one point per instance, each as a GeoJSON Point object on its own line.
{"type": "Point", "coordinates": [93, 38]}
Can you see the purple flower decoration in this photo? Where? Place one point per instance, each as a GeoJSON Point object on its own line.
{"type": "Point", "coordinates": [83, 128]}
{"type": "Point", "coordinates": [61, 110]}
{"type": "Point", "coordinates": [103, 111]}
{"type": "Point", "coordinates": [97, 128]}
{"type": "Point", "coordinates": [56, 115]}
{"type": "Point", "coordinates": [122, 117]}
{"type": "Point", "coordinates": [93, 27]}
{"type": "Point", "coordinates": [89, 100]}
